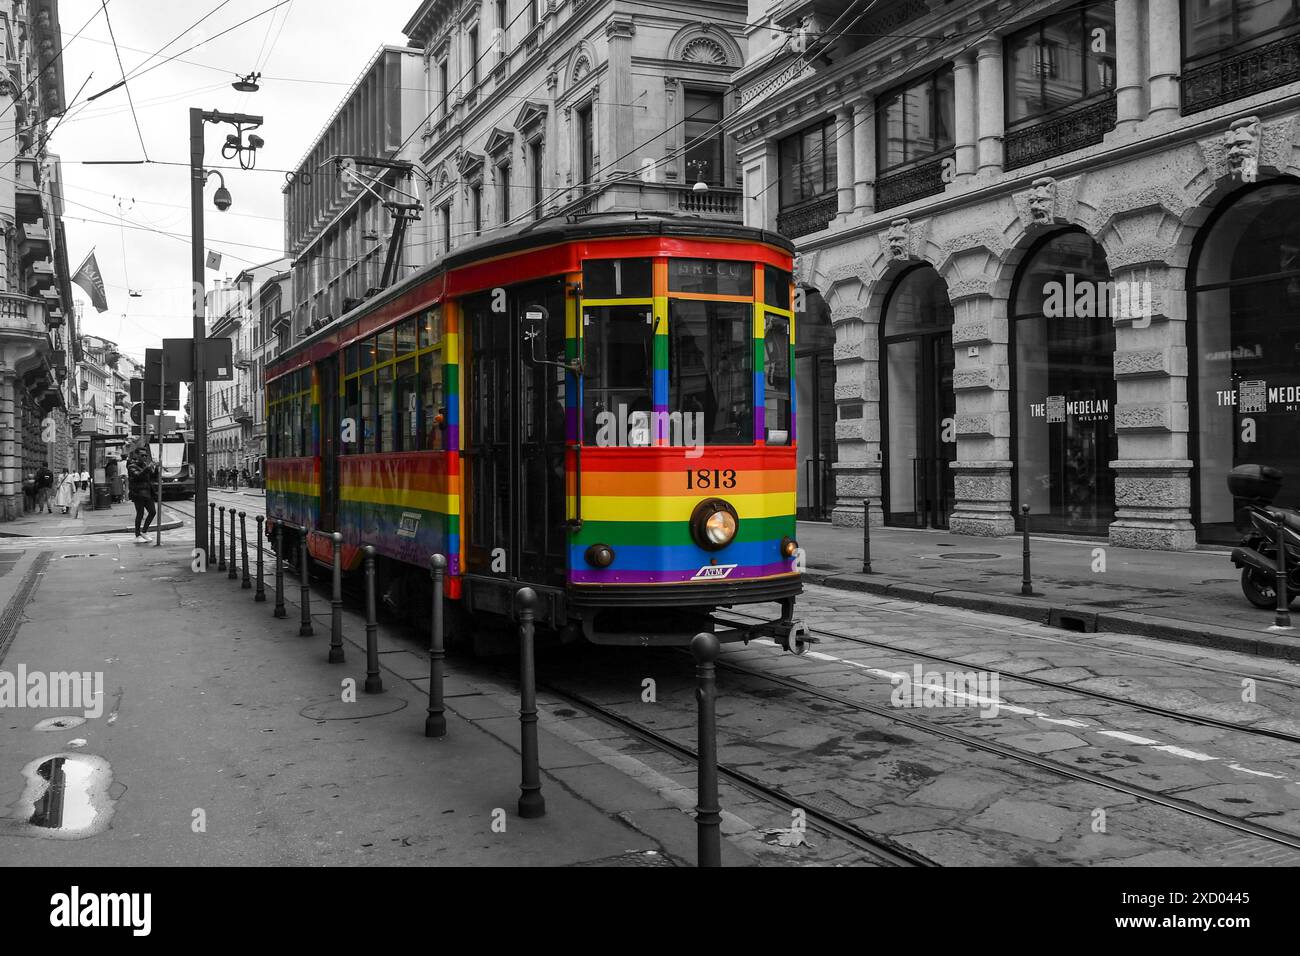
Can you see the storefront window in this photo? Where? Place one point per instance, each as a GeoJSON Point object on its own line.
{"type": "Point", "coordinates": [1247, 339]}
{"type": "Point", "coordinates": [1064, 343]}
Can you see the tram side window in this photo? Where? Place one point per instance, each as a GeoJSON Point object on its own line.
{"type": "Point", "coordinates": [430, 331]}
{"type": "Point", "coordinates": [406, 338]}
{"type": "Point", "coordinates": [618, 351]}
{"type": "Point", "coordinates": [383, 409]}
{"type": "Point", "coordinates": [776, 287]}
{"type": "Point", "coordinates": [710, 370]}
{"type": "Point", "coordinates": [431, 399]}
{"type": "Point", "coordinates": [406, 422]}
{"type": "Point", "coordinates": [304, 401]}
{"type": "Point", "coordinates": [366, 426]}
{"type": "Point", "coordinates": [351, 412]}
{"type": "Point", "coordinates": [776, 380]}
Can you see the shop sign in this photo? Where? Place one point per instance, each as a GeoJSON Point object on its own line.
{"type": "Point", "coordinates": [1055, 409]}
{"type": "Point", "coordinates": [1255, 397]}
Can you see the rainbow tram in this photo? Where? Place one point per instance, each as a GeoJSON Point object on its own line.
{"type": "Point", "coordinates": [601, 411]}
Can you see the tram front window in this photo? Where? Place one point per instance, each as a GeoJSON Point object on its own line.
{"type": "Point", "coordinates": [618, 346]}
{"type": "Point", "coordinates": [711, 370]}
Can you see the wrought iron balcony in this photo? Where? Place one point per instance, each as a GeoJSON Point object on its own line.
{"type": "Point", "coordinates": [1235, 75]}
{"type": "Point", "coordinates": [916, 182]}
{"type": "Point", "coordinates": [810, 216]}
{"type": "Point", "coordinates": [1059, 134]}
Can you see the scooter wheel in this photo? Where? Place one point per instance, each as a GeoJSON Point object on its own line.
{"type": "Point", "coordinates": [1258, 587]}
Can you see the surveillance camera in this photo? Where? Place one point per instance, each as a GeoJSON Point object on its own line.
{"type": "Point", "coordinates": [223, 200]}
{"type": "Point", "coordinates": [255, 141]}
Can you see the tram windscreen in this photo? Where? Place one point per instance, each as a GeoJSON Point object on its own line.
{"type": "Point", "coordinates": [711, 368]}
{"type": "Point", "coordinates": [171, 456]}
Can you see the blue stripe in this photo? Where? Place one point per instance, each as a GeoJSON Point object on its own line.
{"type": "Point", "coordinates": [680, 557]}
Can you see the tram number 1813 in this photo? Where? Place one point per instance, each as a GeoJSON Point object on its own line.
{"type": "Point", "coordinates": [704, 478]}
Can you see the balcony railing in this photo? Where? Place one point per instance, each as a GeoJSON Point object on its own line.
{"type": "Point", "coordinates": [242, 413]}
{"type": "Point", "coordinates": [917, 182]}
{"type": "Point", "coordinates": [1060, 134]}
{"type": "Point", "coordinates": [21, 313]}
{"type": "Point", "coordinates": [718, 201]}
{"type": "Point", "coordinates": [812, 215]}
{"type": "Point", "coordinates": [241, 358]}
{"type": "Point", "coordinates": [1242, 74]}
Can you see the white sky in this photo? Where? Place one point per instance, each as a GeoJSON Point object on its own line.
{"type": "Point", "coordinates": [309, 52]}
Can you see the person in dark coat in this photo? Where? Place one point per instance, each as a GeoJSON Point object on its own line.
{"type": "Point", "coordinates": [44, 488]}
{"type": "Point", "coordinates": [142, 476]}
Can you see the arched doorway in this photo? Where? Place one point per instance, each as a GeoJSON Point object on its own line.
{"type": "Point", "coordinates": [1063, 347]}
{"type": "Point", "coordinates": [920, 407]}
{"type": "Point", "coordinates": [1244, 312]}
{"type": "Point", "coordinates": [814, 375]}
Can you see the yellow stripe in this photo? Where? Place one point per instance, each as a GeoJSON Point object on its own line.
{"type": "Point", "coordinates": [295, 488]}
{"type": "Point", "coordinates": [661, 314]}
{"type": "Point", "coordinates": [424, 500]}
{"type": "Point", "coordinates": [604, 302]}
{"type": "Point", "coordinates": [621, 508]}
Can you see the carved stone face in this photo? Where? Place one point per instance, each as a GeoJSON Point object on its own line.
{"type": "Point", "coordinates": [1243, 148]}
{"type": "Point", "coordinates": [898, 240]}
{"type": "Point", "coordinates": [1042, 200]}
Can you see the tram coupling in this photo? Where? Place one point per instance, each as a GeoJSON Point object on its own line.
{"type": "Point", "coordinates": [790, 634]}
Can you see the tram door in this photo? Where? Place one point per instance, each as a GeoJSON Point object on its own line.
{"type": "Point", "coordinates": [327, 380]}
{"type": "Point", "coordinates": [514, 455]}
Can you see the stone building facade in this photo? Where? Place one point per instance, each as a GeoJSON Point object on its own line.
{"type": "Point", "coordinates": [1059, 247]}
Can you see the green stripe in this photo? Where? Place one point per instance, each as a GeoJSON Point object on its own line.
{"type": "Point", "coordinates": [676, 532]}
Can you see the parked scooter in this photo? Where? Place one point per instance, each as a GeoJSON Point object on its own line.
{"type": "Point", "coordinates": [1256, 555]}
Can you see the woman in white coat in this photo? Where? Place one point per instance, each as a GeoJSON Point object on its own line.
{"type": "Point", "coordinates": [65, 490]}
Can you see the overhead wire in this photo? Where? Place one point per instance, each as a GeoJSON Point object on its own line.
{"type": "Point", "coordinates": [118, 53]}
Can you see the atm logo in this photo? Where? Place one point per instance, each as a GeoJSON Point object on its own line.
{"type": "Point", "coordinates": [712, 571]}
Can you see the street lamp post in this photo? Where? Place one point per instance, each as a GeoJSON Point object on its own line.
{"type": "Point", "coordinates": [199, 400]}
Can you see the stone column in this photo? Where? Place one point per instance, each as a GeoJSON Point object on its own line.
{"type": "Point", "coordinates": [620, 138]}
{"type": "Point", "coordinates": [982, 472]}
{"type": "Point", "coordinates": [965, 109]}
{"type": "Point", "coordinates": [992, 112]}
{"type": "Point", "coordinates": [1153, 490]}
{"type": "Point", "coordinates": [857, 434]}
{"type": "Point", "coordinates": [762, 196]}
{"type": "Point", "coordinates": [674, 111]}
{"type": "Point", "coordinates": [1163, 58]}
{"type": "Point", "coordinates": [864, 157]}
{"type": "Point", "coordinates": [1130, 90]}
{"type": "Point", "coordinates": [844, 168]}
{"type": "Point", "coordinates": [11, 478]}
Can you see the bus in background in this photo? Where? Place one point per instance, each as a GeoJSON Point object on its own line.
{"type": "Point", "coordinates": [175, 457]}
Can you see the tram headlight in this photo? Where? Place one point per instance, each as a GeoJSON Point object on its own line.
{"type": "Point", "coordinates": [714, 524]}
{"type": "Point", "coordinates": [789, 547]}
{"type": "Point", "coordinates": [599, 555]}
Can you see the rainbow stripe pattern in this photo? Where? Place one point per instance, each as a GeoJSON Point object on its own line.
{"type": "Point", "coordinates": [638, 502]}
{"type": "Point", "coordinates": [293, 491]}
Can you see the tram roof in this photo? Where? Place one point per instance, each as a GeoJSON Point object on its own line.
{"type": "Point", "coordinates": [549, 232]}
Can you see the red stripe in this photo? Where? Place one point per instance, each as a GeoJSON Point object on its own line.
{"type": "Point", "coordinates": [767, 458]}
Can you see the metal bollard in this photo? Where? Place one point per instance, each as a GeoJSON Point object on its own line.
{"type": "Point", "coordinates": [305, 629]}
{"type": "Point", "coordinates": [435, 725]}
{"type": "Point", "coordinates": [866, 536]}
{"type": "Point", "coordinates": [259, 594]}
{"type": "Point", "coordinates": [279, 570]}
{"type": "Point", "coordinates": [374, 683]}
{"type": "Point", "coordinates": [531, 802]}
{"type": "Point", "coordinates": [1026, 582]}
{"type": "Point", "coordinates": [336, 602]}
{"type": "Point", "coordinates": [247, 581]}
{"type": "Point", "coordinates": [234, 560]}
{"type": "Point", "coordinates": [1283, 616]}
{"type": "Point", "coordinates": [708, 815]}
{"type": "Point", "coordinates": [221, 565]}
{"type": "Point", "coordinates": [212, 534]}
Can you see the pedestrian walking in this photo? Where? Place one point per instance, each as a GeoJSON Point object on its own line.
{"type": "Point", "coordinates": [142, 472]}
{"type": "Point", "coordinates": [44, 488]}
{"type": "Point", "coordinates": [29, 493]}
{"type": "Point", "coordinates": [83, 481]}
{"type": "Point", "coordinates": [65, 490]}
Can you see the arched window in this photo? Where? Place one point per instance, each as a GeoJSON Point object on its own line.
{"type": "Point", "coordinates": [919, 418]}
{"type": "Point", "coordinates": [1245, 311]}
{"type": "Point", "coordinates": [1063, 342]}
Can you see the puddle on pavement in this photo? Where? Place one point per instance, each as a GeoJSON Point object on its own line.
{"type": "Point", "coordinates": [67, 798]}
{"type": "Point", "coordinates": [60, 723]}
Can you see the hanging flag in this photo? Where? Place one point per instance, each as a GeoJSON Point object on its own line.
{"type": "Point", "coordinates": [91, 408]}
{"type": "Point", "coordinates": [225, 405]}
{"type": "Point", "coordinates": [214, 260]}
{"type": "Point", "coordinates": [92, 280]}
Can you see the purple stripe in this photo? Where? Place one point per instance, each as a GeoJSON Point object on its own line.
{"type": "Point", "coordinates": [577, 576]}
{"type": "Point", "coordinates": [571, 413]}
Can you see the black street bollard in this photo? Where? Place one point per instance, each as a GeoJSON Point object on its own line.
{"type": "Point", "coordinates": [221, 565]}
{"type": "Point", "coordinates": [279, 570]}
{"type": "Point", "coordinates": [1026, 581]}
{"type": "Point", "coordinates": [305, 629]}
{"type": "Point", "coordinates": [336, 602]}
{"type": "Point", "coordinates": [866, 536]}
{"type": "Point", "coordinates": [708, 815]}
{"type": "Point", "coordinates": [1283, 616]}
{"type": "Point", "coordinates": [435, 725]}
{"type": "Point", "coordinates": [247, 581]}
{"type": "Point", "coordinates": [234, 559]}
{"type": "Point", "coordinates": [374, 683]}
{"type": "Point", "coordinates": [212, 534]}
{"type": "Point", "coordinates": [531, 802]}
{"type": "Point", "coordinates": [259, 594]}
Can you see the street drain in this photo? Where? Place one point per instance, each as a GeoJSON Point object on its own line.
{"type": "Point", "coordinates": [970, 556]}
{"type": "Point", "coordinates": [60, 723]}
{"type": "Point", "coordinates": [66, 798]}
{"type": "Point", "coordinates": [832, 804]}
{"type": "Point", "coordinates": [66, 556]}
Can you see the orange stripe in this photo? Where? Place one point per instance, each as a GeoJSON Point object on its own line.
{"type": "Point", "coordinates": [656, 484]}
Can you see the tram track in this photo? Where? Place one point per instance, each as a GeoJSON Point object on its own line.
{"type": "Point", "coordinates": [1042, 682]}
